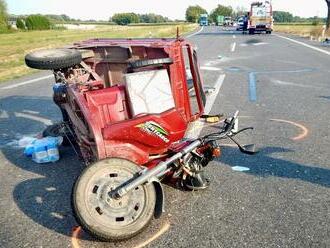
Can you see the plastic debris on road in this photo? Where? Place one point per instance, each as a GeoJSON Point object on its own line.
{"type": "Point", "coordinates": [25, 141]}
{"type": "Point", "coordinates": [43, 150]}
{"type": "Point", "coordinates": [240, 168]}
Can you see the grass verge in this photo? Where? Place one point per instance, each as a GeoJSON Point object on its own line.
{"type": "Point", "coordinates": [302, 30]}
{"type": "Point", "coordinates": [14, 46]}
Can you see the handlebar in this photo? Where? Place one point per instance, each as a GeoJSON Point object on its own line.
{"type": "Point", "coordinates": [225, 131]}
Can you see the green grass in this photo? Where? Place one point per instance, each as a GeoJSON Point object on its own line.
{"type": "Point", "coordinates": [14, 46]}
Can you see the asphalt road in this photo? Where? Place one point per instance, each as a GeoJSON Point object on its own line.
{"type": "Point", "coordinates": [282, 88]}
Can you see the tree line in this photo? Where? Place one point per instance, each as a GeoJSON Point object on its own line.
{"type": "Point", "coordinates": [127, 18]}
{"type": "Point", "coordinates": [193, 12]}
{"type": "Point", "coordinates": [40, 22]}
{"type": "Point", "coordinates": [287, 17]}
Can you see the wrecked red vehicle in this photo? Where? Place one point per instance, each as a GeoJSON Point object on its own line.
{"type": "Point", "coordinates": [126, 106]}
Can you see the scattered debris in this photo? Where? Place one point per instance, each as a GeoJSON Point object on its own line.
{"type": "Point", "coordinates": [240, 168]}
{"type": "Point", "coordinates": [326, 42]}
{"type": "Point", "coordinates": [43, 150]}
{"type": "Point", "coordinates": [25, 141]}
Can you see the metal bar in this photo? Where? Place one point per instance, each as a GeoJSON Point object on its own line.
{"type": "Point", "coordinates": [154, 172]}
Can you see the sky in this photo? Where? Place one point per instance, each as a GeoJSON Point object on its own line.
{"type": "Point", "coordinates": [174, 9]}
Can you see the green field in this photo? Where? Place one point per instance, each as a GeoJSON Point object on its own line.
{"type": "Point", "coordinates": [14, 46]}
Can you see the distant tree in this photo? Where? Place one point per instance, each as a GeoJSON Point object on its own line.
{"type": "Point", "coordinates": [298, 19]}
{"type": "Point", "coordinates": [37, 22]}
{"type": "Point", "coordinates": [328, 18]}
{"type": "Point", "coordinates": [65, 17]}
{"type": "Point", "coordinates": [125, 18]}
{"type": "Point", "coordinates": [54, 18]}
{"type": "Point", "coordinates": [221, 10]}
{"type": "Point", "coordinates": [240, 11]}
{"type": "Point", "coordinates": [282, 16]}
{"type": "Point", "coordinates": [152, 18]}
{"type": "Point", "coordinates": [316, 21]}
{"type": "Point", "coordinates": [3, 16]}
{"type": "Point", "coordinates": [193, 13]}
{"type": "Point", "coordinates": [20, 24]}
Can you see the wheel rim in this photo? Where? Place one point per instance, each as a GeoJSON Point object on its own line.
{"type": "Point", "coordinates": [109, 212]}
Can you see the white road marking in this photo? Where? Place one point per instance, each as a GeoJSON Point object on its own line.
{"type": "Point", "coordinates": [211, 99]}
{"type": "Point", "coordinates": [260, 43]}
{"type": "Point", "coordinates": [210, 63]}
{"type": "Point", "coordinates": [188, 36]}
{"type": "Point", "coordinates": [233, 46]}
{"type": "Point", "coordinates": [196, 127]}
{"type": "Point", "coordinates": [30, 112]}
{"type": "Point", "coordinates": [45, 121]}
{"type": "Point", "coordinates": [304, 44]}
{"type": "Point", "coordinates": [279, 82]}
{"type": "Point", "coordinates": [210, 68]}
{"type": "Point", "coordinates": [234, 36]}
{"type": "Point", "coordinates": [26, 82]}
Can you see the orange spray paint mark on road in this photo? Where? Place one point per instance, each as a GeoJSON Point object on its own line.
{"type": "Point", "coordinates": [76, 231]}
{"type": "Point", "coordinates": [162, 230]}
{"type": "Point", "coordinates": [74, 237]}
{"type": "Point", "coordinates": [304, 130]}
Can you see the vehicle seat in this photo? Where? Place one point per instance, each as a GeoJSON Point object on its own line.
{"type": "Point", "coordinates": [109, 105]}
{"type": "Point", "coordinates": [149, 92]}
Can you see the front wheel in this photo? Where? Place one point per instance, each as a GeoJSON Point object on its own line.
{"type": "Point", "coordinates": [105, 217]}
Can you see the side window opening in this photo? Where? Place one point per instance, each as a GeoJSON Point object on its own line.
{"type": "Point", "coordinates": [190, 81]}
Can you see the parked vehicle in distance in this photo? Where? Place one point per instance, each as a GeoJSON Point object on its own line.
{"type": "Point", "coordinates": [228, 21]}
{"type": "Point", "coordinates": [240, 23]}
{"type": "Point", "coordinates": [203, 20]}
{"type": "Point", "coordinates": [261, 17]}
{"type": "Point", "coordinates": [220, 20]}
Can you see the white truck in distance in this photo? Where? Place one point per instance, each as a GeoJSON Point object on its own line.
{"type": "Point", "coordinates": [261, 17]}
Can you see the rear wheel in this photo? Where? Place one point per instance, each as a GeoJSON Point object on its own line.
{"type": "Point", "coordinates": [150, 62]}
{"type": "Point", "coordinates": [103, 216]}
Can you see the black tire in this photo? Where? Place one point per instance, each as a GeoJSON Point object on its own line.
{"type": "Point", "coordinates": [56, 130]}
{"type": "Point", "coordinates": [106, 218]}
{"type": "Point", "coordinates": [150, 62]}
{"type": "Point", "coordinates": [53, 59]}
